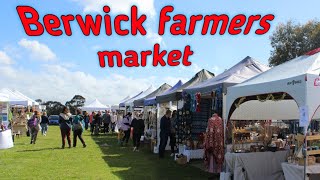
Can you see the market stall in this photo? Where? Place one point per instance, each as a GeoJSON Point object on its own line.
{"type": "Point", "coordinates": [5, 133]}
{"type": "Point", "coordinates": [150, 114]}
{"type": "Point", "coordinates": [174, 100]}
{"type": "Point", "coordinates": [286, 92]}
{"type": "Point", "coordinates": [207, 97]}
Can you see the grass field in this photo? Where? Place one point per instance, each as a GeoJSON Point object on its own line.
{"type": "Point", "coordinates": [102, 159]}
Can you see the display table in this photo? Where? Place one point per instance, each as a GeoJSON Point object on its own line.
{"type": "Point", "coordinates": [194, 154]}
{"type": "Point", "coordinates": [295, 172]}
{"type": "Point", "coordinates": [6, 139]}
{"type": "Point", "coordinates": [257, 165]}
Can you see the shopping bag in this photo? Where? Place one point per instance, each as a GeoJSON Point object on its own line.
{"type": "Point", "coordinates": [225, 176]}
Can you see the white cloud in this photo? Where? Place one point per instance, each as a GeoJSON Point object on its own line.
{"type": "Point", "coordinates": [155, 38]}
{"type": "Point", "coordinates": [5, 59]}
{"type": "Point", "coordinates": [62, 84]}
{"type": "Point", "coordinates": [216, 69]}
{"type": "Point", "coordinates": [118, 6]}
{"type": "Point", "coordinates": [38, 50]}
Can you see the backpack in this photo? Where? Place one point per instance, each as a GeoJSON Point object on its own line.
{"type": "Point", "coordinates": [77, 123]}
{"type": "Point", "coordinates": [32, 122]}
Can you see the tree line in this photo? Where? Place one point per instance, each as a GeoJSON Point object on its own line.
{"type": "Point", "coordinates": [55, 107]}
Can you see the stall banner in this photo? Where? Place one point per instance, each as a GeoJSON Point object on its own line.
{"type": "Point", "coordinates": [304, 116]}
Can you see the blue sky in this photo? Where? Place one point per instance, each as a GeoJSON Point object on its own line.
{"type": "Point", "coordinates": [56, 68]}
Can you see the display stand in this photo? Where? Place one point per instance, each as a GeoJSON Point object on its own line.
{"type": "Point", "coordinates": [6, 141]}
{"type": "Point", "coordinates": [4, 106]}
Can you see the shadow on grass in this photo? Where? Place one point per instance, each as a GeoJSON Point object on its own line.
{"type": "Point", "coordinates": [36, 150]}
{"type": "Point", "coordinates": [126, 164]}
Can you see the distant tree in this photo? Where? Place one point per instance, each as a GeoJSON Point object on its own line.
{"type": "Point", "coordinates": [53, 107]}
{"type": "Point", "coordinates": [291, 40]}
{"type": "Point", "coordinates": [76, 102]}
{"type": "Point", "coordinates": [39, 101]}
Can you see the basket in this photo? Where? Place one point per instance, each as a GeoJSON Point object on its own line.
{"type": "Point", "coordinates": [182, 160]}
{"type": "Point", "coordinates": [311, 161]}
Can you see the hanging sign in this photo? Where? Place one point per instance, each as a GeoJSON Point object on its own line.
{"type": "Point", "coordinates": [317, 82]}
{"type": "Point", "coordinates": [304, 116]}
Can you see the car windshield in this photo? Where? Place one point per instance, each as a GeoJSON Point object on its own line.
{"type": "Point", "coordinates": [54, 117]}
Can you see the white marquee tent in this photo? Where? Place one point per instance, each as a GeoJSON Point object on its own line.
{"type": "Point", "coordinates": [30, 101]}
{"type": "Point", "coordinates": [296, 81]}
{"type": "Point", "coordinates": [141, 95]}
{"type": "Point", "coordinates": [288, 91]}
{"type": "Point", "coordinates": [14, 99]}
{"type": "Point", "coordinates": [96, 105]}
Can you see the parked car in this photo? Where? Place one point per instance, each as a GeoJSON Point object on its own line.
{"type": "Point", "coordinates": [54, 120]}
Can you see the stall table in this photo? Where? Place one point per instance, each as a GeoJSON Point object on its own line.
{"type": "Point", "coordinates": [295, 172]}
{"type": "Point", "coordinates": [194, 154]}
{"type": "Point", "coordinates": [6, 139]}
{"type": "Point", "coordinates": [256, 165]}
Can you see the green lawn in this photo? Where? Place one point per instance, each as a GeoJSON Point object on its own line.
{"type": "Point", "coordinates": [45, 160]}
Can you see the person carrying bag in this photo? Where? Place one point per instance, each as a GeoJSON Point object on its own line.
{"type": "Point", "coordinates": [77, 128]}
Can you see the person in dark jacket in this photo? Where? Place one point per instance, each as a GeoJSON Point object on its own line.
{"type": "Point", "coordinates": [44, 123]}
{"type": "Point", "coordinates": [138, 130]}
{"type": "Point", "coordinates": [97, 122]}
{"type": "Point", "coordinates": [126, 127]}
{"type": "Point", "coordinates": [65, 126]}
{"type": "Point", "coordinates": [165, 130]}
{"type": "Point", "coordinates": [86, 121]}
{"type": "Point", "coordinates": [92, 122]}
{"type": "Point", "coordinates": [106, 119]}
{"type": "Point", "coordinates": [173, 132]}
{"type": "Point", "coordinates": [77, 127]}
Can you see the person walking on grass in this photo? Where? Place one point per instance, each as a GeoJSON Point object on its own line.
{"type": "Point", "coordinates": [165, 129]}
{"type": "Point", "coordinates": [138, 130]}
{"type": "Point", "coordinates": [44, 123]}
{"type": "Point", "coordinates": [106, 119]}
{"type": "Point", "coordinates": [33, 125]}
{"type": "Point", "coordinates": [65, 126]}
{"type": "Point", "coordinates": [77, 127]}
{"type": "Point", "coordinates": [126, 127]}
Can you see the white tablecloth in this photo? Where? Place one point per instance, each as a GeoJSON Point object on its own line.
{"type": "Point", "coordinates": [194, 154]}
{"type": "Point", "coordinates": [258, 165]}
{"type": "Point", "coordinates": [295, 172]}
{"type": "Point", "coordinates": [6, 139]}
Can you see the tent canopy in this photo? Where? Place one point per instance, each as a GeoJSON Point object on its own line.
{"type": "Point", "coordinates": [140, 102]}
{"type": "Point", "coordinates": [143, 94]}
{"type": "Point", "coordinates": [297, 82]}
{"type": "Point", "coordinates": [14, 99]}
{"type": "Point", "coordinates": [96, 105]}
{"type": "Point", "coordinates": [30, 101]}
{"type": "Point", "coordinates": [152, 100]}
{"type": "Point", "coordinates": [176, 94]}
{"type": "Point", "coordinates": [4, 97]}
{"type": "Point", "coordinates": [129, 102]}
{"type": "Point", "coordinates": [125, 99]}
{"type": "Point", "coordinates": [245, 69]}
{"type": "Point", "coordinates": [122, 104]}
